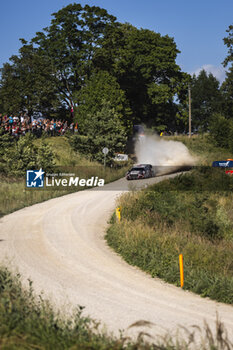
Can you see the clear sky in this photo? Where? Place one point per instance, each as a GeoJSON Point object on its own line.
{"type": "Point", "coordinates": [198, 26]}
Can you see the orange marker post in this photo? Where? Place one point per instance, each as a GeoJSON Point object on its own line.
{"type": "Point", "coordinates": [181, 270]}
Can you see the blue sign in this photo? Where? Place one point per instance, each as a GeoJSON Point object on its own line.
{"type": "Point", "coordinates": [35, 178]}
{"type": "Point", "coordinates": [223, 163]}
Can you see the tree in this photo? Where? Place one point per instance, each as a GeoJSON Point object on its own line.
{"type": "Point", "coordinates": [144, 64]}
{"type": "Point", "coordinates": [206, 99]}
{"type": "Point", "coordinates": [101, 87]}
{"type": "Point", "coordinates": [104, 129]}
{"type": "Point", "coordinates": [69, 44]}
{"type": "Point", "coordinates": [227, 92]}
{"type": "Point", "coordinates": [56, 62]}
{"type": "Point", "coordinates": [228, 41]}
{"type": "Point", "coordinates": [28, 83]}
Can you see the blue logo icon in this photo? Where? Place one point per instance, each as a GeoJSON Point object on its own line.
{"type": "Point", "coordinates": [35, 178]}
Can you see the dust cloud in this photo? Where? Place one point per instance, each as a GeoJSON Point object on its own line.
{"type": "Point", "coordinates": [165, 154]}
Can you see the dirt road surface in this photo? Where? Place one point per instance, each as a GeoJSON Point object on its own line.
{"type": "Point", "coordinates": [60, 246]}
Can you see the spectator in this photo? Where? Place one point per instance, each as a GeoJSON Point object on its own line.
{"type": "Point", "coordinates": [19, 126]}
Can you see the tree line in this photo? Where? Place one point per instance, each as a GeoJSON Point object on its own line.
{"type": "Point", "coordinates": [86, 60]}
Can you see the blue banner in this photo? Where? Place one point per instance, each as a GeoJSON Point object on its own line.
{"type": "Point", "coordinates": [223, 163]}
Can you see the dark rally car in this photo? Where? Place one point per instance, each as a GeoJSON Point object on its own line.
{"type": "Point", "coordinates": [141, 171]}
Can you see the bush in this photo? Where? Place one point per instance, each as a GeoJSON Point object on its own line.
{"type": "Point", "coordinates": [221, 130]}
{"type": "Point", "coordinates": [104, 129]}
{"type": "Point", "coordinates": [23, 155]}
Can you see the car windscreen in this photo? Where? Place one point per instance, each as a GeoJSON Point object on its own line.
{"type": "Point", "coordinates": [137, 169]}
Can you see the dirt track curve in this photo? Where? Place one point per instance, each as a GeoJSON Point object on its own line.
{"type": "Point", "coordinates": [59, 245]}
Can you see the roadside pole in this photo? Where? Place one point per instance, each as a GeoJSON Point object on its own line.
{"type": "Point", "coordinates": [190, 118]}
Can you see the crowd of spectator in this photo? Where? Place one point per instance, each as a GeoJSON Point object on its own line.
{"type": "Point", "coordinates": [18, 126]}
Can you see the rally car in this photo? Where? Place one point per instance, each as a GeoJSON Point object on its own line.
{"type": "Point", "coordinates": [141, 171]}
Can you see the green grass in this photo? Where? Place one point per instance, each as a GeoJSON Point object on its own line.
{"type": "Point", "coordinates": [64, 155]}
{"type": "Point", "coordinates": [191, 214]}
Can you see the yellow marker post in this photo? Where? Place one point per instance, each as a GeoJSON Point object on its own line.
{"type": "Point", "coordinates": [118, 213]}
{"type": "Point", "coordinates": [181, 270]}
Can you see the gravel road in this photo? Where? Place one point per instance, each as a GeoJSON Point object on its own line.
{"type": "Point", "coordinates": [59, 244]}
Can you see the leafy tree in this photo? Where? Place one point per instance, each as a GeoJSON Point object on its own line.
{"type": "Point", "coordinates": [101, 86]}
{"type": "Point", "coordinates": [28, 83]}
{"type": "Point", "coordinates": [228, 41]}
{"type": "Point", "coordinates": [58, 67]}
{"type": "Point", "coordinates": [227, 86]}
{"type": "Point", "coordinates": [104, 129]}
{"type": "Point", "coordinates": [144, 64]}
{"type": "Point", "coordinates": [56, 62]}
{"type": "Point", "coordinates": [69, 43]}
{"type": "Point", "coordinates": [206, 99]}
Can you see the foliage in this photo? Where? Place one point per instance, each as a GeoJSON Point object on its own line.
{"type": "Point", "coordinates": [227, 86]}
{"type": "Point", "coordinates": [206, 100]}
{"type": "Point", "coordinates": [227, 93]}
{"type": "Point", "coordinates": [101, 86]}
{"type": "Point", "coordinates": [221, 130]}
{"type": "Point", "coordinates": [28, 84]}
{"type": "Point", "coordinates": [24, 154]}
{"type": "Point", "coordinates": [62, 63]}
{"type": "Point", "coordinates": [45, 157]}
{"type": "Point", "coordinates": [6, 141]}
{"type": "Point", "coordinates": [103, 129]}
{"type": "Point", "coordinates": [144, 64]}
{"type": "Point", "coordinates": [228, 41]}
{"type": "Point", "coordinates": [56, 62]}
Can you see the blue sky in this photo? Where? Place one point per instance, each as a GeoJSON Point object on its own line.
{"type": "Point", "coordinates": [198, 27]}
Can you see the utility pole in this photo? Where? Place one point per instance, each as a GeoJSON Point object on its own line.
{"type": "Point", "coordinates": [189, 89]}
